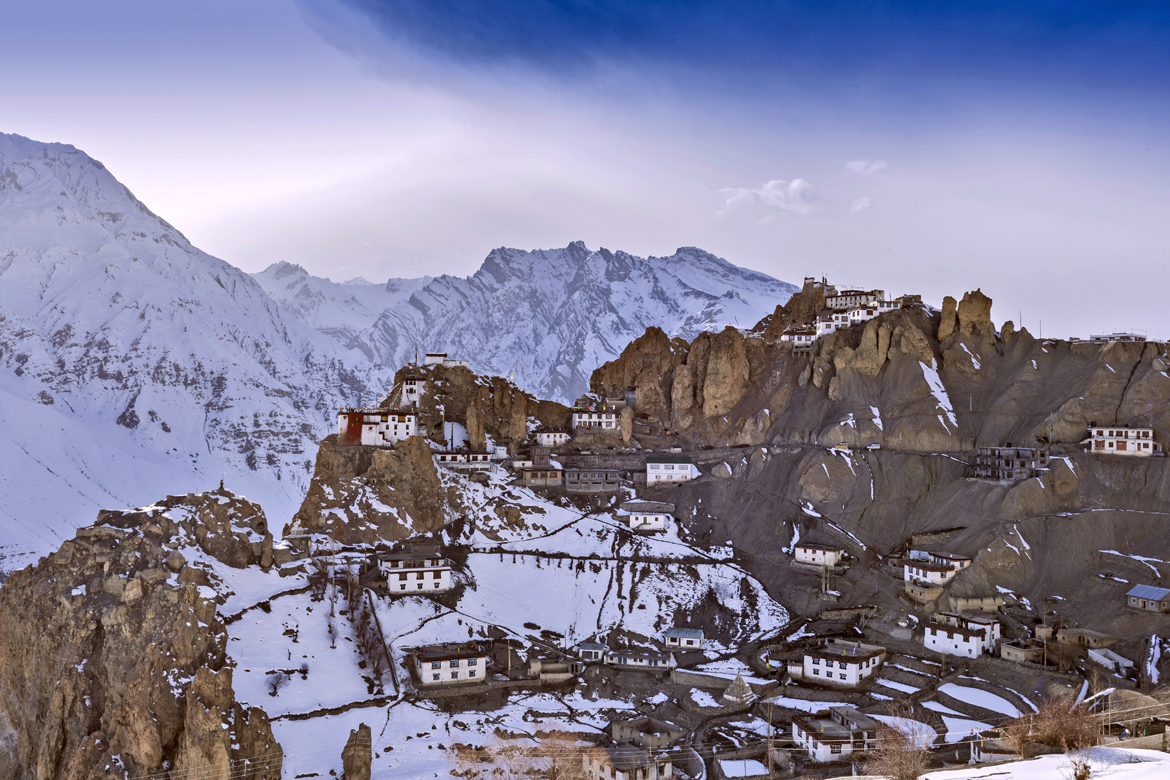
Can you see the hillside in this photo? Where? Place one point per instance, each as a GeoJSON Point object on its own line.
{"type": "Point", "coordinates": [132, 363]}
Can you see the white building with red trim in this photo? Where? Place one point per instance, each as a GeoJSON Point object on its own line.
{"type": "Point", "coordinates": [375, 427]}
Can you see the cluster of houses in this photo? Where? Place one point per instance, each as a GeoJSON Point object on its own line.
{"type": "Point", "coordinates": [843, 309]}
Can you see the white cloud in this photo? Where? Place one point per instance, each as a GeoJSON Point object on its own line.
{"type": "Point", "coordinates": [866, 167]}
{"type": "Point", "coordinates": [861, 204]}
{"type": "Point", "coordinates": [788, 196]}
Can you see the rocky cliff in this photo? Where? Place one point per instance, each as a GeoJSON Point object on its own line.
{"type": "Point", "coordinates": [909, 380]}
{"type": "Point", "coordinates": [113, 660]}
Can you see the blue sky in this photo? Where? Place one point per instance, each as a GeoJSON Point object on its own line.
{"type": "Point", "coordinates": [924, 147]}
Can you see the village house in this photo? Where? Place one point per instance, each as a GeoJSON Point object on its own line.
{"type": "Point", "coordinates": [624, 761]}
{"type": "Point", "coordinates": [1022, 651]}
{"type": "Point", "coordinates": [684, 638]}
{"type": "Point", "coordinates": [596, 480]}
{"type": "Point", "coordinates": [1107, 338]}
{"type": "Point", "coordinates": [415, 570]}
{"type": "Point", "coordinates": [551, 438]}
{"type": "Point", "coordinates": [830, 321]}
{"type": "Point", "coordinates": [1148, 598]}
{"type": "Point", "coordinates": [646, 732]}
{"type": "Point", "coordinates": [823, 555]}
{"type": "Point", "coordinates": [598, 417]}
{"type": "Point", "coordinates": [965, 635]}
{"type": "Point", "coordinates": [1118, 664]}
{"type": "Point", "coordinates": [839, 662]}
{"type": "Point", "coordinates": [985, 750]}
{"type": "Point", "coordinates": [541, 476]}
{"type": "Point", "coordinates": [636, 659]}
{"type": "Point", "coordinates": [441, 359]}
{"type": "Point", "coordinates": [551, 671]}
{"type": "Point", "coordinates": [451, 663]}
{"type": "Point", "coordinates": [834, 734]}
{"type": "Point", "coordinates": [1010, 463]}
{"type": "Point", "coordinates": [1121, 440]}
{"type": "Point", "coordinates": [844, 300]}
{"type": "Point", "coordinates": [932, 568]}
{"type": "Point", "coordinates": [592, 651]}
{"type": "Point", "coordinates": [801, 337]}
{"type": "Point", "coordinates": [1084, 637]}
{"type": "Point", "coordinates": [382, 427]}
{"type": "Point", "coordinates": [463, 460]}
{"type": "Point", "coordinates": [646, 516]}
{"type": "Point", "coordinates": [670, 468]}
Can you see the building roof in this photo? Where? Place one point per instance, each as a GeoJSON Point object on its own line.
{"type": "Point", "coordinates": [1148, 592]}
{"type": "Point", "coordinates": [648, 725]}
{"type": "Point", "coordinates": [835, 650]}
{"type": "Point", "coordinates": [668, 459]}
{"type": "Point", "coordinates": [647, 507]}
{"type": "Point", "coordinates": [815, 546]}
{"type": "Point", "coordinates": [592, 646]}
{"type": "Point", "coordinates": [451, 650]}
{"type": "Point", "coordinates": [626, 757]}
{"type": "Point", "coordinates": [684, 633]}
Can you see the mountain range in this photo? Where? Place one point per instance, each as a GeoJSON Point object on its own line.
{"type": "Point", "coordinates": [132, 364]}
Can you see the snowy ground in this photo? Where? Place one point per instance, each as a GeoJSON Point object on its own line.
{"type": "Point", "coordinates": [1107, 764]}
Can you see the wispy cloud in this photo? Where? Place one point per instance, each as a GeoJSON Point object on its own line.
{"type": "Point", "coordinates": [861, 204]}
{"type": "Point", "coordinates": [865, 167]}
{"type": "Point", "coordinates": [793, 197]}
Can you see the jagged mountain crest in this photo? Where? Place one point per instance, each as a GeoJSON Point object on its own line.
{"type": "Point", "coordinates": [546, 317]}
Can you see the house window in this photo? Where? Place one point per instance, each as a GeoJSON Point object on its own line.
{"type": "Point", "coordinates": [454, 675]}
{"type": "Point", "coordinates": [436, 664]}
{"type": "Point", "coordinates": [472, 661]}
{"type": "Point", "coordinates": [834, 748]}
{"type": "Point", "coordinates": [435, 676]}
{"type": "Point", "coordinates": [436, 574]}
{"type": "Point", "coordinates": [842, 676]}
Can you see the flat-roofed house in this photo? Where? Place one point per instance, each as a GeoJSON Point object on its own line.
{"type": "Point", "coordinates": [625, 761]}
{"type": "Point", "coordinates": [592, 651]}
{"type": "Point", "coordinates": [451, 663]}
{"type": "Point", "coordinates": [381, 427]}
{"type": "Point", "coordinates": [646, 732]}
{"type": "Point", "coordinates": [838, 662]}
{"type": "Point", "coordinates": [413, 573]}
{"type": "Point", "coordinates": [965, 635]}
{"type": "Point", "coordinates": [670, 468]}
{"type": "Point", "coordinates": [835, 734]}
{"type": "Point", "coordinates": [817, 554]}
{"type": "Point", "coordinates": [1121, 440]}
{"type": "Point", "coordinates": [646, 515]}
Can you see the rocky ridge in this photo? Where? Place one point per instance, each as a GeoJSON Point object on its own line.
{"type": "Point", "coordinates": [113, 662]}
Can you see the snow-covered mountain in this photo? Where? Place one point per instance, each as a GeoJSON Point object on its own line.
{"type": "Point", "coordinates": [132, 363]}
{"type": "Point", "coordinates": [546, 317]}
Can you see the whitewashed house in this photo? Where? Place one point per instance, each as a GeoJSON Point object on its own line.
{"type": "Point", "coordinates": [684, 638]}
{"type": "Point", "coordinates": [375, 427]}
{"type": "Point", "coordinates": [836, 734]}
{"type": "Point", "coordinates": [551, 438]}
{"type": "Point", "coordinates": [646, 516]}
{"type": "Point", "coordinates": [800, 336]}
{"type": "Point", "coordinates": [670, 468]}
{"type": "Point", "coordinates": [830, 322]}
{"type": "Point", "coordinates": [1122, 440]}
{"type": "Point", "coordinates": [464, 460]}
{"type": "Point", "coordinates": [625, 761]}
{"type": "Point", "coordinates": [638, 659]}
{"type": "Point", "coordinates": [598, 417]}
{"type": "Point", "coordinates": [817, 554]}
{"type": "Point", "coordinates": [964, 635]}
{"type": "Point", "coordinates": [412, 391]}
{"type": "Point", "coordinates": [932, 568]}
{"type": "Point", "coordinates": [838, 662]}
{"type": "Point", "coordinates": [415, 573]}
{"type": "Point", "coordinates": [844, 300]}
{"type": "Point", "coordinates": [441, 359]}
{"type": "Point", "coordinates": [451, 663]}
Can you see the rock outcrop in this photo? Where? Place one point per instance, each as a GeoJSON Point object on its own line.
{"type": "Point", "coordinates": [358, 754]}
{"type": "Point", "coordinates": [363, 495]}
{"type": "Point", "coordinates": [113, 660]}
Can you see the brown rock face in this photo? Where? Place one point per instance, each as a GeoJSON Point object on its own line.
{"type": "Point", "coordinates": [362, 495]}
{"type": "Point", "coordinates": [645, 366]}
{"type": "Point", "coordinates": [974, 314]}
{"type": "Point", "coordinates": [484, 405]}
{"type": "Point", "coordinates": [801, 309]}
{"type": "Point", "coordinates": [357, 755]}
{"type": "Point", "coordinates": [949, 321]}
{"type": "Point", "coordinates": [727, 373]}
{"type": "Point", "coordinates": [112, 666]}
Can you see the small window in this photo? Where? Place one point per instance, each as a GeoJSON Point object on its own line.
{"type": "Point", "coordinates": [436, 664]}
{"type": "Point", "coordinates": [454, 675]}
{"type": "Point", "coordinates": [435, 676]}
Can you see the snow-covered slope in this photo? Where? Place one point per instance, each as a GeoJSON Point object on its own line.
{"type": "Point", "coordinates": [132, 363]}
{"type": "Point", "coordinates": [546, 317]}
{"type": "Point", "coordinates": [342, 310]}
